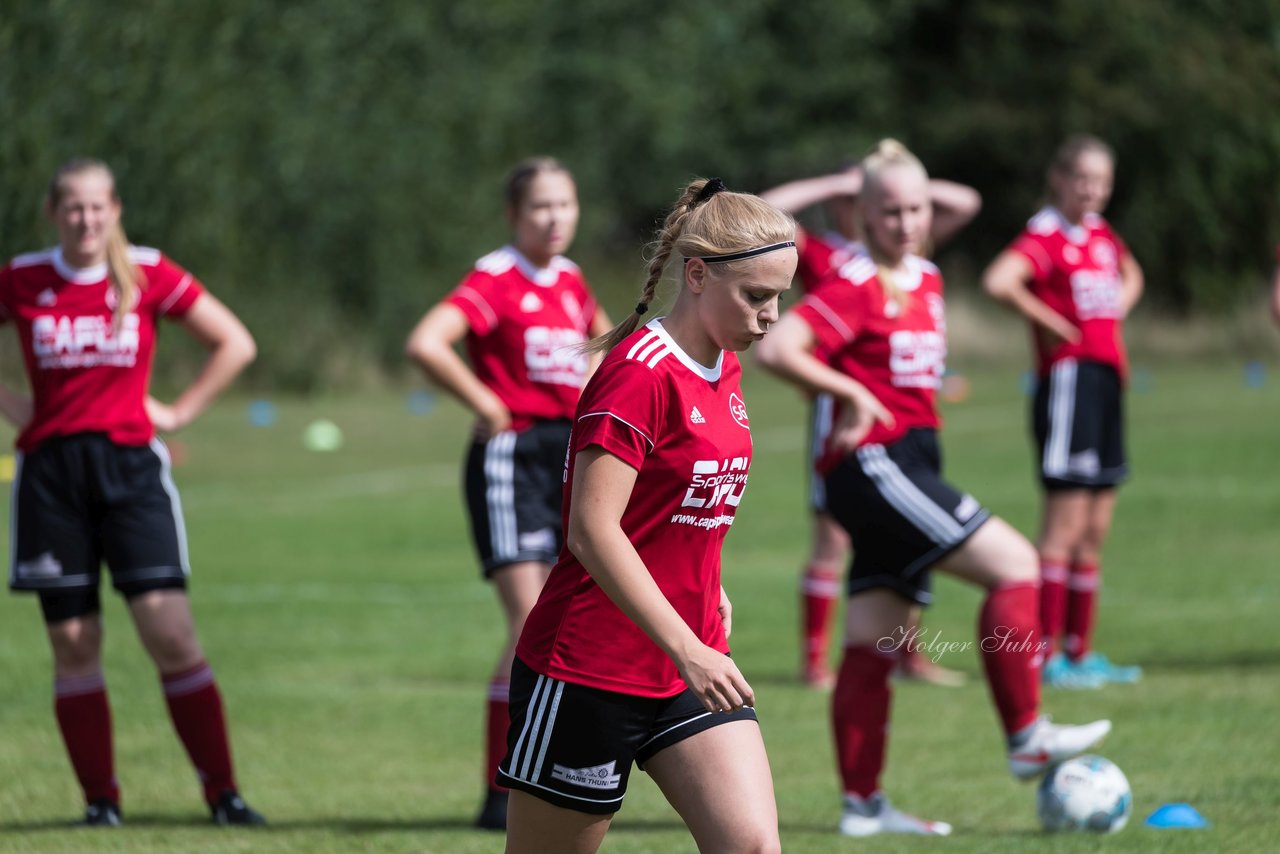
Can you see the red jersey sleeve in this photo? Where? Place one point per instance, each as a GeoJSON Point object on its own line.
{"type": "Point", "coordinates": [475, 297]}
{"type": "Point", "coordinates": [621, 410]}
{"type": "Point", "coordinates": [1032, 247]}
{"type": "Point", "coordinates": [834, 312]}
{"type": "Point", "coordinates": [172, 288]}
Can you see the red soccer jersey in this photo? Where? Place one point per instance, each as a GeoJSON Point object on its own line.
{"type": "Point", "coordinates": [896, 350]}
{"type": "Point", "coordinates": [1077, 274]}
{"type": "Point", "coordinates": [525, 325]}
{"type": "Point", "coordinates": [86, 376]}
{"type": "Point", "coordinates": [822, 256]}
{"type": "Point", "coordinates": [684, 428]}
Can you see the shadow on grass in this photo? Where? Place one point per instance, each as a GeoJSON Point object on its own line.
{"type": "Point", "coordinates": [354, 825]}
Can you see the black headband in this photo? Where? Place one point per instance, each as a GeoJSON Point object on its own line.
{"type": "Point", "coordinates": [738, 256]}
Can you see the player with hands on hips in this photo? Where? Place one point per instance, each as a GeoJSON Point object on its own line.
{"type": "Point", "coordinates": [522, 312]}
{"type": "Point", "coordinates": [1075, 281]}
{"type": "Point", "coordinates": [624, 659]}
{"type": "Point", "coordinates": [874, 337]}
{"type": "Point", "coordinates": [954, 206]}
{"type": "Point", "coordinates": [94, 484]}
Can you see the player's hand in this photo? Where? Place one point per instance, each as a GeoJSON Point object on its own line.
{"type": "Point", "coordinates": [492, 420]}
{"type": "Point", "coordinates": [850, 181]}
{"type": "Point", "coordinates": [17, 409]}
{"type": "Point", "coordinates": [163, 417]}
{"type": "Point", "coordinates": [1061, 331]}
{"type": "Point", "coordinates": [862, 411]}
{"type": "Point", "coordinates": [716, 680]}
{"type": "Point", "coordinates": [726, 611]}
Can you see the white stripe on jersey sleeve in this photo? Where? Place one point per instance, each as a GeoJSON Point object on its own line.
{"type": "Point", "coordinates": [144, 255]}
{"type": "Point", "coordinates": [473, 296]}
{"type": "Point", "coordinates": [178, 291]}
{"type": "Point", "coordinates": [638, 431]}
{"type": "Point", "coordinates": [830, 316]}
{"type": "Point", "coordinates": [644, 341]}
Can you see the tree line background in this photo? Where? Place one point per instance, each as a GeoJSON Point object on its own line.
{"type": "Point", "coordinates": [332, 167]}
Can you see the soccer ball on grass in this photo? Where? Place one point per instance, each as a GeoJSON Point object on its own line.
{"type": "Point", "coordinates": [1086, 793]}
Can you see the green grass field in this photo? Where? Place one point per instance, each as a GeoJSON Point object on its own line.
{"type": "Point", "coordinates": [338, 600]}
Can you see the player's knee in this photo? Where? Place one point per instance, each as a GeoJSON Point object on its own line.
{"type": "Point", "coordinates": [753, 837]}
{"type": "Point", "coordinates": [77, 645]}
{"type": "Point", "coordinates": [173, 648]}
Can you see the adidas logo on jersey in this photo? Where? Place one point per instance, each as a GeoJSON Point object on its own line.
{"type": "Point", "coordinates": [530, 303]}
{"type": "Point", "coordinates": [695, 416]}
{"type": "Point", "coordinates": [46, 298]}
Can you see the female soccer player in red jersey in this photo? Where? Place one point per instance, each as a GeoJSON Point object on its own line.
{"type": "Point", "coordinates": [625, 656]}
{"type": "Point", "coordinates": [879, 328]}
{"type": "Point", "coordinates": [1074, 279]}
{"type": "Point", "coordinates": [954, 205]}
{"type": "Point", "coordinates": [93, 482]}
{"type": "Point", "coordinates": [523, 312]}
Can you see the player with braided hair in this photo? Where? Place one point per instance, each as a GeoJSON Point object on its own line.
{"type": "Point", "coordinates": [624, 659]}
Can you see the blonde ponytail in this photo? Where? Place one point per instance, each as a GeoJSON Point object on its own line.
{"type": "Point", "coordinates": [125, 277]}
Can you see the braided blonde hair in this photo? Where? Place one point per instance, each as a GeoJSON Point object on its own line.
{"type": "Point", "coordinates": [702, 224]}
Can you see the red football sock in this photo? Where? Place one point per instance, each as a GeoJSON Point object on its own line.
{"type": "Point", "coordinates": [1053, 600]}
{"type": "Point", "coordinates": [1082, 602]}
{"type": "Point", "coordinates": [860, 718]}
{"type": "Point", "coordinates": [497, 721]}
{"type": "Point", "coordinates": [819, 591]}
{"type": "Point", "coordinates": [84, 718]}
{"type": "Point", "coordinates": [1009, 637]}
{"type": "Point", "coordinates": [195, 706]}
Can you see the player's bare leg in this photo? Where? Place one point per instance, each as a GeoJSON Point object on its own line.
{"type": "Point", "coordinates": [720, 783]}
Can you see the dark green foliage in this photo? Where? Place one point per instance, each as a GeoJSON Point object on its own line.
{"type": "Point", "coordinates": [331, 167]}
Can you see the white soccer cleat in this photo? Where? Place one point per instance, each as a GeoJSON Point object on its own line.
{"type": "Point", "coordinates": [875, 815]}
{"type": "Point", "coordinates": [1043, 744]}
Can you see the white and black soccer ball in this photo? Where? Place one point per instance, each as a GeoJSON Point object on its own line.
{"type": "Point", "coordinates": [1086, 793]}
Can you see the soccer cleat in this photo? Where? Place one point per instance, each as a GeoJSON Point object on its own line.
{"type": "Point", "coordinates": [875, 815]}
{"type": "Point", "coordinates": [1060, 672]}
{"type": "Point", "coordinates": [103, 812]}
{"type": "Point", "coordinates": [493, 815]}
{"type": "Point", "coordinates": [1099, 665]}
{"type": "Point", "coordinates": [1044, 743]}
{"type": "Point", "coordinates": [230, 809]}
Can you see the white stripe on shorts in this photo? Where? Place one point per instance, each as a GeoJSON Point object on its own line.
{"type": "Point", "coordinates": [500, 493]}
{"type": "Point", "coordinates": [907, 498]}
{"type": "Point", "coordinates": [535, 735]}
{"type": "Point", "coordinates": [175, 504]}
{"type": "Point", "coordinates": [1062, 413]}
{"type": "Point", "coordinates": [824, 406]}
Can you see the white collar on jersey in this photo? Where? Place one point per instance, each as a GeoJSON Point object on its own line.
{"type": "Point", "coordinates": [1076, 233]}
{"type": "Point", "coordinates": [78, 275]}
{"type": "Point", "coordinates": [709, 374]}
{"type": "Point", "coordinates": [907, 279]}
{"type": "Point", "coordinates": [544, 276]}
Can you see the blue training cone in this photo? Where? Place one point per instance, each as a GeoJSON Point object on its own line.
{"type": "Point", "coordinates": [261, 413]}
{"type": "Point", "coordinates": [1176, 816]}
{"type": "Point", "coordinates": [420, 402]}
{"type": "Point", "coordinates": [1255, 376]}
